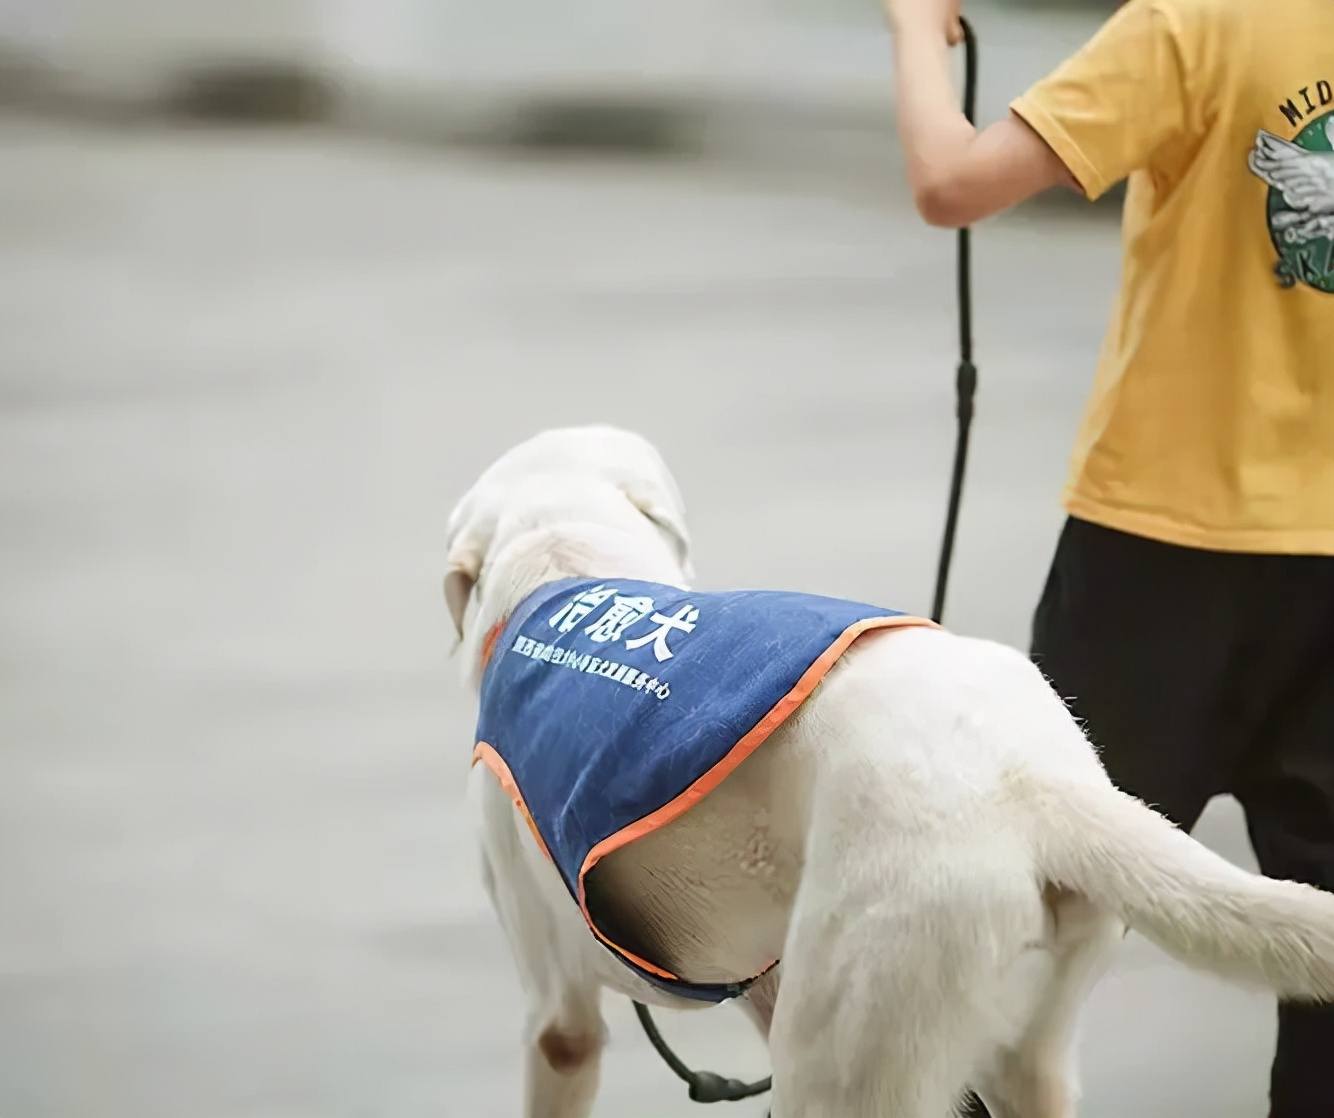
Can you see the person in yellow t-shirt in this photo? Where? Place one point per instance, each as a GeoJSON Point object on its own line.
{"type": "Point", "coordinates": [1189, 612]}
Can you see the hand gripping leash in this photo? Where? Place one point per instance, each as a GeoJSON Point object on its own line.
{"type": "Point", "coordinates": [707, 1086]}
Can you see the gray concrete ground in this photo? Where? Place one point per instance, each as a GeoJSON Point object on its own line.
{"type": "Point", "coordinates": [244, 375]}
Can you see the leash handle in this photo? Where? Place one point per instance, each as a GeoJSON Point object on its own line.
{"type": "Point", "coordinates": [706, 1086]}
{"type": "Point", "coordinates": [965, 380]}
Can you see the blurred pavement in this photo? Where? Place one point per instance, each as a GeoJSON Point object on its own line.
{"type": "Point", "coordinates": [244, 375]}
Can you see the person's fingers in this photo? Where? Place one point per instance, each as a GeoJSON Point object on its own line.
{"type": "Point", "coordinates": [954, 31]}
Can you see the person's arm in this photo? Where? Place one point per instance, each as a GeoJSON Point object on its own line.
{"type": "Point", "coordinates": [958, 175]}
{"type": "Point", "coordinates": [1128, 100]}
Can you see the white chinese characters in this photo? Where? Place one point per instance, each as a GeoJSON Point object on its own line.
{"type": "Point", "coordinates": [623, 614]}
{"type": "Point", "coordinates": [569, 615]}
{"type": "Point", "coordinates": [625, 674]}
{"type": "Point", "coordinates": [684, 619]}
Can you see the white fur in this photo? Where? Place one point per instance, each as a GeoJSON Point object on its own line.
{"type": "Point", "coordinates": [930, 845]}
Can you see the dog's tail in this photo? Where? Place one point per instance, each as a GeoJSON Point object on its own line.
{"type": "Point", "coordinates": [1195, 905]}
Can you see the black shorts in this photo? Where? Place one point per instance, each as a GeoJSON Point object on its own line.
{"type": "Point", "coordinates": [1198, 673]}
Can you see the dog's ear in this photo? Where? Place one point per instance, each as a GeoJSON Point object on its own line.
{"type": "Point", "coordinates": [662, 504]}
{"type": "Point", "coordinates": [460, 581]}
{"type": "Point", "coordinates": [464, 548]}
{"type": "Point", "coordinates": [467, 538]}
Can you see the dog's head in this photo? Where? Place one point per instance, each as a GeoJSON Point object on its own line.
{"type": "Point", "coordinates": [552, 506]}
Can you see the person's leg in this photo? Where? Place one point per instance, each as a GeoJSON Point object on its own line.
{"type": "Point", "coordinates": [1140, 639]}
{"type": "Point", "coordinates": [1286, 785]}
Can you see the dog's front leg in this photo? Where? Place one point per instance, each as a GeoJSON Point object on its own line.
{"type": "Point", "coordinates": [564, 1056]}
{"type": "Point", "coordinates": [760, 999]}
{"type": "Point", "coordinates": [565, 1034]}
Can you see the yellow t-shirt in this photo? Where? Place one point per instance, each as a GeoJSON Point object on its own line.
{"type": "Point", "coordinates": [1212, 418]}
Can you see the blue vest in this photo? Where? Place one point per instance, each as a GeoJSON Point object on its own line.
{"type": "Point", "coordinates": [608, 708]}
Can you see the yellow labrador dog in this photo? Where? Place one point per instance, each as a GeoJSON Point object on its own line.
{"type": "Point", "coordinates": [929, 845]}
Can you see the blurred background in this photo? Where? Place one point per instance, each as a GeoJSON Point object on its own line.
{"type": "Point", "coordinates": [279, 279]}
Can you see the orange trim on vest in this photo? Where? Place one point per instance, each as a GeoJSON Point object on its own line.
{"type": "Point", "coordinates": [489, 642]}
{"type": "Point", "coordinates": [675, 808]}
{"type": "Point", "coordinates": [487, 755]}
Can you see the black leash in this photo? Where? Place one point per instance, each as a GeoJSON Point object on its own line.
{"type": "Point", "coordinates": [707, 1086]}
{"type": "Point", "coordinates": [704, 1086]}
{"type": "Point", "coordinates": [965, 380]}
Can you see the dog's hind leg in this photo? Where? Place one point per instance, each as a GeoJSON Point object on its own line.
{"type": "Point", "coordinates": [895, 943]}
{"type": "Point", "coordinates": [1034, 1074]}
